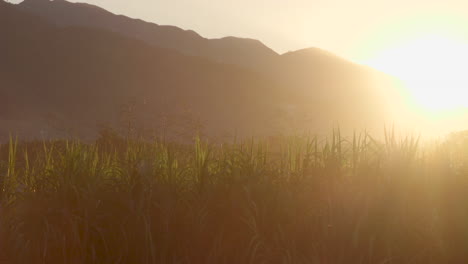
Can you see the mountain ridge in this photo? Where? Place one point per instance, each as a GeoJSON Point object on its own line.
{"type": "Point", "coordinates": [75, 65]}
{"type": "Point", "coordinates": [69, 68]}
{"type": "Point", "coordinates": [64, 13]}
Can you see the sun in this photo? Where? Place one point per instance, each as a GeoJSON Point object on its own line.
{"type": "Point", "coordinates": [433, 68]}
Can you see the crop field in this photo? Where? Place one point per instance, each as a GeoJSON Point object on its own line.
{"type": "Point", "coordinates": [278, 200]}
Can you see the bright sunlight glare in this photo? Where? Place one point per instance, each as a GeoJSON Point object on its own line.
{"type": "Point", "coordinates": [434, 69]}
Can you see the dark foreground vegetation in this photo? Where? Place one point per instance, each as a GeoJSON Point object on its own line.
{"type": "Point", "coordinates": [282, 200]}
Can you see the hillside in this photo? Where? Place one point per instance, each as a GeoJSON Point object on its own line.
{"type": "Point", "coordinates": [245, 52]}
{"type": "Point", "coordinates": [83, 76]}
{"type": "Point", "coordinates": [76, 77]}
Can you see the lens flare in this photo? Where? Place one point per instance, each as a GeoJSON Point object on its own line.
{"type": "Point", "coordinates": [434, 69]}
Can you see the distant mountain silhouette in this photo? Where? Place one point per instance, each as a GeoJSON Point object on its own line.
{"type": "Point", "coordinates": [245, 52]}
{"type": "Point", "coordinates": [79, 65]}
{"type": "Point", "coordinates": [83, 75]}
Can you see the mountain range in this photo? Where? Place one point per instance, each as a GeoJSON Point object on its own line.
{"type": "Point", "coordinates": [68, 68]}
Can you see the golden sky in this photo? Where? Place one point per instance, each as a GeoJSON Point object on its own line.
{"type": "Point", "coordinates": [352, 29]}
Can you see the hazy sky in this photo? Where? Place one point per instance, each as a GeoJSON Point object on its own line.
{"type": "Point", "coordinates": [353, 29]}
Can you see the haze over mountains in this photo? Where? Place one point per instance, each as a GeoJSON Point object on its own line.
{"type": "Point", "coordinates": [73, 67]}
{"type": "Point", "coordinates": [245, 52]}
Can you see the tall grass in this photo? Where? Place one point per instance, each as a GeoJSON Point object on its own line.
{"type": "Point", "coordinates": [287, 200]}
